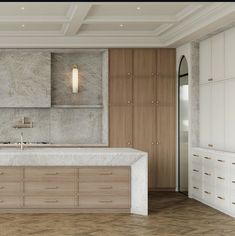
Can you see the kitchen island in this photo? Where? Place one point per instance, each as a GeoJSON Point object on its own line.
{"type": "Point", "coordinates": [74, 180]}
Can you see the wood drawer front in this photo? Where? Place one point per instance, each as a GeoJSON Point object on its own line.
{"type": "Point", "coordinates": [49, 174]}
{"type": "Point", "coordinates": [104, 201]}
{"type": "Point", "coordinates": [10, 188]}
{"type": "Point", "coordinates": [104, 174]}
{"type": "Point", "coordinates": [115, 188]}
{"type": "Point", "coordinates": [10, 202]}
{"type": "Point", "coordinates": [10, 174]}
{"type": "Point", "coordinates": [49, 202]}
{"type": "Point", "coordinates": [44, 188]}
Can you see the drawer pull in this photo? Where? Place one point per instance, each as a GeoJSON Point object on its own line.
{"type": "Point", "coordinates": [195, 170]}
{"type": "Point", "coordinates": [233, 163]}
{"type": "Point", "coordinates": [107, 187]}
{"type": "Point", "coordinates": [52, 188]}
{"type": "Point", "coordinates": [195, 187]}
{"type": "Point", "coordinates": [221, 198]}
{"type": "Point", "coordinates": [210, 145]}
{"type": "Point", "coordinates": [233, 203]}
{"type": "Point", "coordinates": [233, 181]}
{"type": "Point", "coordinates": [208, 158]}
{"type": "Point", "coordinates": [55, 173]}
{"type": "Point", "coordinates": [208, 174]}
{"type": "Point", "coordinates": [1, 187]}
{"type": "Point", "coordinates": [1, 173]}
{"type": "Point", "coordinates": [195, 155]}
{"type": "Point", "coordinates": [106, 173]}
{"type": "Point", "coordinates": [220, 178]}
{"type": "Point", "coordinates": [221, 160]}
{"type": "Point", "coordinates": [105, 201]}
{"type": "Point", "coordinates": [207, 192]}
{"type": "Point", "coordinates": [51, 201]}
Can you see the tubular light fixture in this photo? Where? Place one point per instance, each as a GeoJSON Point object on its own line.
{"type": "Point", "coordinates": [75, 79]}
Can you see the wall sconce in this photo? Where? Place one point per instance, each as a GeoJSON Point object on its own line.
{"type": "Point", "coordinates": [75, 79]}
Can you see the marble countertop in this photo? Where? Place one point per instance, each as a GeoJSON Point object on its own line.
{"type": "Point", "coordinates": [70, 156]}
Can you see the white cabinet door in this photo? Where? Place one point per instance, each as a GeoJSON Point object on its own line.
{"type": "Point", "coordinates": [217, 115]}
{"type": "Point", "coordinates": [205, 61]}
{"type": "Point", "coordinates": [230, 53]}
{"type": "Point", "coordinates": [230, 115]}
{"type": "Point", "coordinates": [217, 60]}
{"type": "Point", "coordinates": [205, 115]}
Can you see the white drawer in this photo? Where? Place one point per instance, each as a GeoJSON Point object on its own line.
{"type": "Point", "coordinates": [232, 184]}
{"type": "Point", "coordinates": [208, 194]}
{"type": "Point", "coordinates": [196, 175]}
{"type": "Point", "coordinates": [232, 201]}
{"type": "Point", "coordinates": [208, 177]}
{"type": "Point", "coordinates": [232, 168]}
{"type": "Point", "coordinates": [208, 161]}
{"type": "Point", "coordinates": [222, 201]}
{"type": "Point", "coordinates": [196, 159]}
{"type": "Point", "coordinates": [222, 163]}
{"type": "Point", "coordinates": [197, 190]}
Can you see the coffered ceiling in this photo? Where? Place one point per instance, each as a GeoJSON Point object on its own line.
{"type": "Point", "coordinates": [107, 24]}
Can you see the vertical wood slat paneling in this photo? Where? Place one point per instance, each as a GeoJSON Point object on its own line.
{"type": "Point", "coordinates": [142, 108]}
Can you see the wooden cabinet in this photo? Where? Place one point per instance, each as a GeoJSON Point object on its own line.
{"type": "Point", "coordinates": [142, 108]}
{"type": "Point", "coordinates": [66, 188]}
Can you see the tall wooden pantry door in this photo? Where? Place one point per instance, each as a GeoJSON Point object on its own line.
{"type": "Point", "coordinates": [120, 98]}
{"type": "Point", "coordinates": [144, 98]}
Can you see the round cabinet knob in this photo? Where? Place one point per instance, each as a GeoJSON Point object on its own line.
{"type": "Point", "coordinates": [129, 143]}
{"type": "Point", "coordinates": [157, 102]}
{"type": "Point", "coordinates": [157, 143]}
{"type": "Point", "coordinates": [129, 73]}
{"type": "Point", "coordinates": [152, 73]}
{"type": "Point", "coordinates": [129, 102]}
{"type": "Point", "coordinates": [152, 143]}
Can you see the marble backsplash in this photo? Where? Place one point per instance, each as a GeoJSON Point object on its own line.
{"type": "Point", "coordinates": [72, 125]}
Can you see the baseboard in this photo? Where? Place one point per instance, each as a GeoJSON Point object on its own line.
{"type": "Point", "coordinates": [162, 190]}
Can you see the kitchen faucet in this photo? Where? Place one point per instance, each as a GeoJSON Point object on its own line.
{"type": "Point", "coordinates": [21, 141]}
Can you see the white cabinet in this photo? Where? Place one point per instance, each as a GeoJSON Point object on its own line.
{"type": "Point", "coordinates": [212, 115]}
{"type": "Point", "coordinates": [205, 115]}
{"type": "Point", "coordinates": [215, 181]}
{"type": "Point", "coordinates": [212, 59]}
{"type": "Point", "coordinates": [230, 53]}
{"type": "Point", "coordinates": [205, 61]}
{"type": "Point", "coordinates": [230, 115]}
{"type": "Point", "coordinates": [217, 60]}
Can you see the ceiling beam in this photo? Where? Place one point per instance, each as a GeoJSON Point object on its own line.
{"type": "Point", "coordinates": [130, 19]}
{"type": "Point", "coordinates": [77, 16]}
{"type": "Point", "coordinates": [38, 19]}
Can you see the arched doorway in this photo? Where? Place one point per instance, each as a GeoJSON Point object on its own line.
{"type": "Point", "coordinates": [183, 126]}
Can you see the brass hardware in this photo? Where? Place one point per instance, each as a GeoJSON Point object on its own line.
{"type": "Point", "coordinates": [152, 143]}
{"type": "Point", "coordinates": [195, 170]}
{"type": "Point", "coordinates": [106, 173]}
{"type": "Point", "coordinates": [129, 73]}
{"type": "Point", "coordinates": [129, 143]}
{"type": "Point", "coordinates": [221, 198]}
{"type": "Point", "coordinates": [55, 173]}
{"type": "Point", "coordinates": [210, 145]}
{"type": "Point", "coordinates": [158, 143]}
{"type": "Point", "coordinates": [221, 160]}
{"type": "Point", "coordinates": [51, 201]}
{"type": "Point", "coordinates": [208, 158]}
{"type": "Point", "coordinates": [152, 73]}
{"type": "Point", "coordinates": [128, 102]}
{"type": "Point", "coordinates": [207, 192]}
{"type": "Point", "coordinates": [195, 187]}
{"type": "Point", "coordinates": [23, 123]}
{"type": "Point", "coordinates": [211, 79]}
{"type": "Point", "coordinates": [52, 187]}
{"type": "Point", "coordinates": [220, 178]}
{"type": "Point", "coordinates": [152, 102]}
{"type": "Point", "coordinates": [106, 187]}
{"type": "Point", "coordinates": [195, 155]}
{"type": "Point", "coordinates": [207, 174]}
{"type": "Point", "coordinates": [157, 102]}
{"type": "Point", "coordinates": [105, 201]}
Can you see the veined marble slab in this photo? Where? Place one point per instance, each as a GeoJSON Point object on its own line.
{"type": "Point", "coordinates": [138, 160]}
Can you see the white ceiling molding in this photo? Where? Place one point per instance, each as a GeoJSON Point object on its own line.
{"type": "Point", "coordinates": [110, 24]}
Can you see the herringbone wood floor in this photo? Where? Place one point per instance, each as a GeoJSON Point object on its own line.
{"type": "Point", "coordinates": [170, 214]}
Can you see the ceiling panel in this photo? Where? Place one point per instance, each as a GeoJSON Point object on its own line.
{"type": "Point", "coordinates": [116, 27]}
{"type": "Point", "coordinates": [131, 10]}
{"type": "Point", "coordinates": [29, 27]}
{"type": "Point", "coordinates": [34, 9]}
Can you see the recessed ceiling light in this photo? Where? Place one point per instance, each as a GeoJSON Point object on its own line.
{"type": "Point", "coordinates": [138, 8]}
{"type": "Point", "coordinates": [22, 25]}
{"type": "Point", "coordinates": [121, 25]}
{"type": "Point", "coordinates": [22, 8]}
